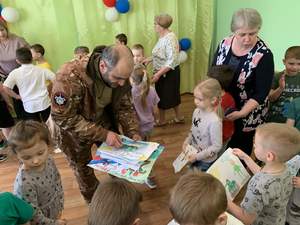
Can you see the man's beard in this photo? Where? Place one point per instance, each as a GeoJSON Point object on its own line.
{"type": "Point", "coordinates": [107, 80]}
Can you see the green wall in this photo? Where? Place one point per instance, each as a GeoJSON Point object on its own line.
{"type": "Point", "coordinates": [61, 25]}
{"type": "Point", "coordinates": [280, 28]}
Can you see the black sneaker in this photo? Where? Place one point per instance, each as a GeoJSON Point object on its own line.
{"type": "Point", "coordinates": [150, 183]}
{"type": "Point", "coordinates": [3, 157]}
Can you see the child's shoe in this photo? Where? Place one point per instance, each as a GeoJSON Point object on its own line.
{"type": "Point", "coordinates": [150, 183]}
{"type": "Point", "coordinates": [3, 157]}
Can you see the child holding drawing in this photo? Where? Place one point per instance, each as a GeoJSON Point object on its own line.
{"type": "Point", "coordinates": [206, 131]}
{"type": "Point", "coordinates": [269, 189]}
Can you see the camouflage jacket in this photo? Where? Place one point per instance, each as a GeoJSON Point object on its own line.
{"type": "Point", "coordinates": [73, 103]}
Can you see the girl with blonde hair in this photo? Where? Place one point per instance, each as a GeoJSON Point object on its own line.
{"type": "Point", "coordinates": [206, 130]}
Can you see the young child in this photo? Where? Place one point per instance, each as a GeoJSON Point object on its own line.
{"type": "Point", "coordinates": [115, 202]}
{"type": "Point", "coordinates": [224, 75]}
{"type": "Point", "coordinates": [269, 189]}
{"type": "Point", "coordinates": [38, 52]}
{"type": "Point", "coordinates": [31, 82]}
{"type": "Point", "coordinates": [199, 198]}
{"type": "Point", "coordinates": [206, 131]}
{"type": "Point", "coordinates": [145, 102]}
{"type": "Point", "coordinates": [38, 181]}
{"type": "Point", "coordinates": [14, 211]}
{"type": "Point", "coordinates": [138, 53]}
{"type": "Point", "coordinates": [121, 39]}
{"type": "Point", "coordinates": [293, 208]}
{"type": "Point", "coordinates": [80, 52]}
{"type": "Point", "coordinates": [286, 86]}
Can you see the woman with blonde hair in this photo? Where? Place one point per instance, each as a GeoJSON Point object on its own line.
{"type": "Point", "coordinates": [206, 130]}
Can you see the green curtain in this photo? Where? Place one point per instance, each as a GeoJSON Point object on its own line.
{"type": "Point", "coordinates": [61, 25]}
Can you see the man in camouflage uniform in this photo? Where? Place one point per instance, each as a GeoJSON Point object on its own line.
{"type": "Point", "coordinates": [90, 100]}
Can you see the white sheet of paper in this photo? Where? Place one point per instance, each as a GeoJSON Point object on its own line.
{"type": "Point", "coordinates": [182, 159]}
{"type": "Point", "coordinates": [294, 165]}
{"type": "Point", "coordinates": [231, 220]}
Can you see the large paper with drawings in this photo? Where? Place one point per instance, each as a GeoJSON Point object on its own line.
{"type": "Point", "coordinates": [294, 165]}
{"type": "Point", "coordinates": [124, 171]}
{"type": "Point", "coordinates": [231, 172]}
{"type": "Point", "coordinates": [182, 159]}
{"type": "Point", "coordinates": [131, 153]}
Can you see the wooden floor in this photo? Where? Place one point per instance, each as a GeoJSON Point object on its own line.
{"type": "Point", "coordinates": [155, 202]}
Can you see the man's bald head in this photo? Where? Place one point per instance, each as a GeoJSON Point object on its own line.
{"type": "Point", "coordinates": [116, 64]}
{"type": "Point", "coordinates": [114, 53]}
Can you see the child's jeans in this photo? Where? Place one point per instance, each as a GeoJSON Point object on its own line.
{"type": "Point", "coordinates": [201, 165]}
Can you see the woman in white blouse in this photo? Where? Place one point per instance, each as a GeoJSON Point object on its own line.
{"type": "Point", "coordinates": [166, 71]}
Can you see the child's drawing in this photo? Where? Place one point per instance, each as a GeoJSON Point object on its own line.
{"type": "Point", "coordinates": [182, 159]}
{"type": "Point", "coordinates": [231, 172]}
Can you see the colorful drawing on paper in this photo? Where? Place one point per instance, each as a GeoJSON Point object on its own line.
{"type": "Point", "coordinates": [231, 172]}
{"type": "Point", "coordinates": [131, 151]}
{"type": "Point", "coordinates": [182, 159]}
{"type": "Point", "coordinates": [124, 171]}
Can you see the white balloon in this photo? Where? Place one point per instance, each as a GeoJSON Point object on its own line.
{"type": "Point", "coordinates": [111, 14]}
{"type": "Point", "coordinates": [182, 56]}
{"type": "Point", "coordinates": [10, 14]}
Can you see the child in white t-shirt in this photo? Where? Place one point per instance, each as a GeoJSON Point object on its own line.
{"type": "Point", "coordinates": [31, 82]}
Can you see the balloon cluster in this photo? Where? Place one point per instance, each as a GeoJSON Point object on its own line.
{"type": "Point", "coordinates": [185, 44]}
{"type": "Point", "coordinates": [114, 8]}
{"type": "Point", "coordinates": [9, 14]}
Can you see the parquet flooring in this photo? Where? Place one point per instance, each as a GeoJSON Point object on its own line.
{"type": "Point", "coordinates": [155, 202]}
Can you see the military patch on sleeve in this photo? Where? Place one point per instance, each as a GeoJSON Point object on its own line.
{"type": "Point", "coordinates": [60, 99]}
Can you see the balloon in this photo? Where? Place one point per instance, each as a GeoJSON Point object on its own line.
{"type": "Point", "coordinates": [122, 6]}
{"type": "Point", "coordinates": [0, 8]}
{"type": "Point", "coordinates": [182, 56]}
{"type": "Point", "coordinates": [185, 44]}
{"type": "Point", "coordinates": [10, 14]}
{"type": "Point", "coordinates": [1, 18]}
{"type": "Point", "coordinates": [109, 3]}
{"type": "Point", "coordinates": [111, 15]}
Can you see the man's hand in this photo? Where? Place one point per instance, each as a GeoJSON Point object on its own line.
{"type": "Point", "coordinates": [113, 139]}
{"type": "Point", "coordinates": [136, 137]}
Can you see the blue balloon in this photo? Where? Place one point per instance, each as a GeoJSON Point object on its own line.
{"type": "Point", "coordinates": [185, 44]}
{"type": "Point", "coordinates": [0, 8]}
{"type": "Point", "coordinates": [122, 6]}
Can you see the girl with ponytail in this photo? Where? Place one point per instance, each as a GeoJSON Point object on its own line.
{"type": "Point", "coordinates": [145, 100]}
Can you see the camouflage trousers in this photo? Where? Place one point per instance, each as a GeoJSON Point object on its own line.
{"type": "Point", "coordinates": [78, 155]}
